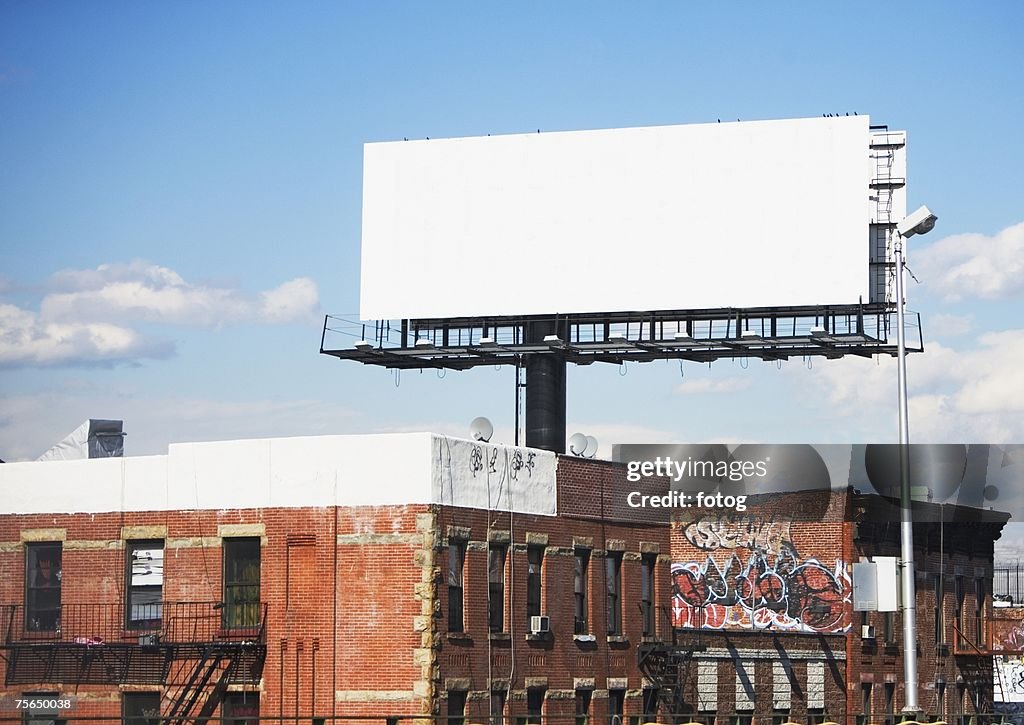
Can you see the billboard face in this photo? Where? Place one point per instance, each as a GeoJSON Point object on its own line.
{"type": "Point", "coordinates": [764, 213]}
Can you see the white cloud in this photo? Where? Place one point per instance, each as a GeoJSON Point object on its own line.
{"type": "Point", "coordinates": [26, 340]}
{"type": "Point", "coordinates": [966, 265]}
{"type": "Point", "coordinates": [949, 325]}
{"type": "Point", "coordinates": [294, 300]}
{"type": "Point", "coordinates": [91, 316]}
{"type": "Point", "coordinates": [146, 292]}
{"type": "Point", "coordinates": [974, 395]}
{"type": "Point", "coordinates": [697, 386]}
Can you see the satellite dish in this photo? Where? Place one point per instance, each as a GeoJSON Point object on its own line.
{"type": "Point", "coordinates": [577, 444]}
{"type": "Point", "coordinates": [481, 429]}
{"type": "Point", "coordinates": [592, 445]}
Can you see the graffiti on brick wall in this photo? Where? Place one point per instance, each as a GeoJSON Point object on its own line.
{"type": "Point", "coordinates": [753, 578]}
{"type": "Point", "coordinates": [1009, 673]}
{"type": "Point", "coordinates": [744, 532]}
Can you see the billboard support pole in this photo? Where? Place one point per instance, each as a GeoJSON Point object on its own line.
{"type": "Point", "coordinates": [545, 391]}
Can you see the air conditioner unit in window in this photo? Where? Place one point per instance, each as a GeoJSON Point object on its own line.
{"type": "Point", "coordinates": [540, 624]}
{"type": "Point", "coordinates": [867, 631]}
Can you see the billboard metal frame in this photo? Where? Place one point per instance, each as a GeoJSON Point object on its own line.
{"type": "Point", "coordinates": [766, 333]}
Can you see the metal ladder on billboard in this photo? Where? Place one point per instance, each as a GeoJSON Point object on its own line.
{"type": "Point", "coordinates": [883, 185]}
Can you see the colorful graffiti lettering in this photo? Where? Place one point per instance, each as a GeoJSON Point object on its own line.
{"type": "Point", "coordinates": [761, 592]}
{"type": "Point", "coordinates": [744, 532]}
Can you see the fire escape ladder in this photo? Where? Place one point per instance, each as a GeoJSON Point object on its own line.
{"type": "Point", "coordinates": [216, 695]}
{"type": "Point", "coordinates": [184, 700]}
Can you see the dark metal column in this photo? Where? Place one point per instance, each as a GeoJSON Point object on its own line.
{"type": "Point", "coordinates": [545, 391]}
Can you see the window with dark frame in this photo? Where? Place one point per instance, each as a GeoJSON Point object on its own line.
{"type": "Point", "coordinates": [140, 708]}
{"type": "Point", "coordinates": [534, 565]}
{"type": "Point", "coordinates": [647, 563]}
{"type": "Point", "coordinates": [583, 698]}
{"type": "Point", "coordinates": [613, 577]}
{"type": "Point", "coordinates": [579, 587]}
{"type": "Point", "coordinates": [42, 586]}
{"type": "Point", "coordinates": [241, 708]}
{"type": "Point", "coordinates": [780, 716]}
{"type": "Point", "coordinates": [496, 587]}
{"type": "Point", "coordinates": [534, 706]}
{"type": "Point", "coordinates": [939, 614]}
{"type": "Point", "coordinates": [145, 585]}
{"type": "Point", "coordinates": [940, 700]}
{"type": "Point", "coordinates": [242, 609]}
{"type": "Point", "coordinates": [456, 707]}
{"type": "Point", "coordinates": [456, 563]}
{"type": "Point", "coordinates": [865, 704]}
{"type": "Point", "coordinates": [616, 706]}
{"type": "Point", "coordinates": [889, 628]}
{"type": "Point", "coordinates": [815, 715]}
{"type": "Point", "coordinates": [979, 612]}
{"type": "Point", "coordinates": [958, 614]}
{"type": "Point", "coordinates": [497, 707]}
{"type": "Point", "coordinates": [890, 704]}
{"type": "Point", "coordinates": [650, 704]}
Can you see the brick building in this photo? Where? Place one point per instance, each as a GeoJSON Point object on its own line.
{"type": "Point", "coordinates": [418, 575]}
{"type": "Point", "coordinates": [335, 576]}
{"type": "Point", "coordinates": [768, 629]}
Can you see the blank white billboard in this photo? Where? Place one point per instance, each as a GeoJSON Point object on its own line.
{"type": "Point", "coordinates": [763, 213]}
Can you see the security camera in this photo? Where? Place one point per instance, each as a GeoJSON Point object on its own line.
{"type": "Point", "coordinates": [920, 221]}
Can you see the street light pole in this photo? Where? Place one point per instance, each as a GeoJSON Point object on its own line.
{"type": "Point", "coordinates": [921, 221]}
{"type": "Point", "coordinates": [906, 519]}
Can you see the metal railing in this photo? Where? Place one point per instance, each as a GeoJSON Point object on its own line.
{"type": "Point", "coordinates": [107, 623]}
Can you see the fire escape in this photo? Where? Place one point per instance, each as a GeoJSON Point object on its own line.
{"type": "Point", "coordinates": [193, 650]}
{"type": "Point", "coordinates": [667, 665]}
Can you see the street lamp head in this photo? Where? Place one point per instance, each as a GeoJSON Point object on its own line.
{"type": "Point", "coordinates": [920, 221]}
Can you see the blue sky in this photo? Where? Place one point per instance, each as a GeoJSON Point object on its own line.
{"type": "Point", "coordinates": [180, 204]}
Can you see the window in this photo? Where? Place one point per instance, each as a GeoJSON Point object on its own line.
{"type": "Point", "coordinates": [865, 704]}
{"type": "Point", "coordinates": [534, 564]}
{"type": "Point", "coordinates": [42, 587]}
{"type": "Point", "coordinates": [145, 587]}
{"type": "Point", "coordinates": [979, 612]}
{"type": "Point", "coordinates": [647, 594]}
{"type": "Point", "coordinates": [779, 716]}
{"type": "Point", "coordinates": [241, 583]}
{"type": "Point", "coordinates": [456, 560]}
{"type": "Point", "coordinates": [815, 715]}
{"type": "Point", "coordinates": [889, 628]}
{"type": "Point", "coordinates": [583, 707]}
{"type": "Point", "coordinates": [497, 707]}
{"type": "Point", "coordinates": [140, 708]}
{"type": "Point", "coordinates": [241, 708]}
{"type": "Point", "coordinates": [613, 576]}
{"type": "Point", "coordinates": [496, 588]}
{"type": "Point", "coordinates": [958, 614]}
{"type": "Point", "coordinates": [890, 695]}
{"type": "Point", "coordinates": [940, 619]}
{"type": "Point", "coordinates": [42, 715]}
{"type": "Point", "coordinates": [534, 706]}
{"type": "Point", "coordinates": [579, 588]}
{"type": "Point", "coordinates": [650, 704]}
{"type": "Point", "coordinates": [616, 706]}
{"type": "Point", "coordinates": [940, 700]}
{"type": "Point", "coordinates": [456, 707]}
